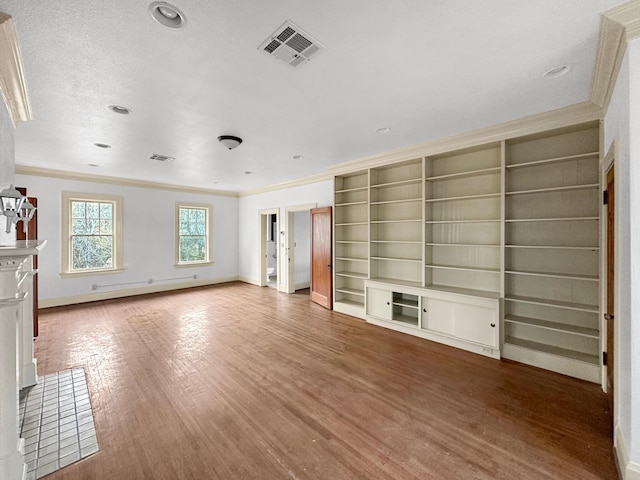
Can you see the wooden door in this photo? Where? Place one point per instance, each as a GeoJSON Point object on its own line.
{"type": "Point", "coordinates": [321, 260]}
{"type": "Point", "coordinates": [610, 284]}
{"type": "Point", "coordinates": [32, 234]}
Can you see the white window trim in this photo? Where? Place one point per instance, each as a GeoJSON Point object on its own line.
{"type": "Point", "coordinates": [65, 241]}
{"type": "Point", "coordinates": [199, 263]}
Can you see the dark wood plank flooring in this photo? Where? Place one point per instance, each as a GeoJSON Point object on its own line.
{"type": "Point", "coordinates": [241, 382]}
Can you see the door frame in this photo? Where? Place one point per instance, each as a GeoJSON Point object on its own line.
{"type": "Point", "coordinates": [607, 163]}
{"type": "Point", "coordinates": [289, 241]}
{"type": "Point", "coordinates": [263, 215]}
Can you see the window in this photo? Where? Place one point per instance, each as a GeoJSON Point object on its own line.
{"type": "Point", "coordinates": [92, 233]}
{"type": "Point", "coordinates": [192, 234]}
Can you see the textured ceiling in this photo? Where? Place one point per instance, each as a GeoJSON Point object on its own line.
{"type": "Point", "coordinates": [425, 69]}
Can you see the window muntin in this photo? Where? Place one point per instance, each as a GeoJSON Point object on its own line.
{"type": "Point", "coordinates": [192, 234]}
{"type": "Point", "coordinates": [92, 237]}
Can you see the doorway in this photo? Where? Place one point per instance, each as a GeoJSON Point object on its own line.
{"type": "Point", "coordinates": [269, 264]}
{"type": "Point", "coordinates": [609, 316]}
{"type": "Point", "coordinates": [298, 248]}
{"type": "Point", "coordinates": [321, 257]}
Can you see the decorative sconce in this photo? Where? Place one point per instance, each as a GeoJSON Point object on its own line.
{"type": "Point", "coordinates": [15, 207]}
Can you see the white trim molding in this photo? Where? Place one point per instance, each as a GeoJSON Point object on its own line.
{"type": "Point", "coordinates": [562, 117]}
{"type": "Point", "coordinates": [126, 182]}
{"type": "Point", "coordinates": [628, 469]}
{"type": "Point", "coordinates": [319, 177]}
{"type": "Point", "coordinates": [618, 26]}
{"type": "Point", "coordinates": [130, 292]}
{"type": "Point", "coordinates": [12, 79]}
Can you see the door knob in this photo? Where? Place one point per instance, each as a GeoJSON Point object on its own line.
{"type": "Point", "coordinates": [608, 317]}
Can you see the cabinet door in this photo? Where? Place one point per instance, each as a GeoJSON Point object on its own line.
{"type": "Point", "coordinates": [379, 303]}
{"type": "Point", "coordinates": [476, 324]}
{"type": "Point", "coordinates": [437, 315]}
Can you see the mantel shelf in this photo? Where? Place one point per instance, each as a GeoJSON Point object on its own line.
{"type": "Point", "coordinates": [22, 248]}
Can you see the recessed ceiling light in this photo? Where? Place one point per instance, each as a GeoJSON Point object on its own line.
{"type": "Point", "coordinates": [102, 145]}
{"type": "Point", "coordinates": [298, 157]}
{"type": "Point", "coordinates": [93, 164]}
{"type": "Point", "coordinates": [120, 109]}
{"type": "Point", "coordinates": [167, 15]}
{"type": "Point", "coordinates": [383, 130]}
{"type": "Point", "coordinates": [558, 71]}
{"type": "Point", "coordinates": [248, 172]}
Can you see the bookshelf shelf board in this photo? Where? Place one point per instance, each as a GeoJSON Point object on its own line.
{"type": "Point", "coordinates": [396, 259]}
{"type": "Point", "coordinates": [406, 303]}
{"type": "Point", "coordinates": [402, 200]}
{"type": "Point", "coordinates": [553, 303]}
{"type": "Point", "coordinates": [351, 259]}
{"type": "Point", "coordinates": [397, 281]}
{"type": "Point", "coordinates": [470, 173]}
{"type": "Point", "coordinates": [399, 242]}
{"type": "Point", "coordinates": [351, 204]}
{"type": "Point", "coordinates": [352, 275]}
{"type": "Point", "coordinates": [464, 291]}
{"type": "Point", "coordinates": [567, 158]}
{"type": "Point", "coordinates": [555, 326]}
{"type": "Point", "coordinates": [350, 224]}
{"type": "Point", "coordinates": [468, 269]}
{"type": "Point", "coordinates": [556, 247]}
{"type": "Point", "coordinates": [412, 220]}
{"type": "Point", "coordinates": [473, 245]}
{"type": "Point", "coordinates": [444, 222]}
{"type": "Point", "coordinates": [349, 190]}
{"type": "Point", "coordinates": [553, 350]}
{"type": "Point", "coordinates": [352, 303]}
{"type": "Point", "coordinates": [356, 242]}
{"type": "Point", "coordinates": [571, 276]}
{"type": "Point", "coordinates": [351, 291]}
{"type": "Point", "coordinates": [463, 197]}
{"type": "Point", "coordinates": [412, 321]}
{"type": "Point", "coordinates": [411, 181]}
{"type": "Point", "coordinates": [551, 219]}
{"type": "Point", "coordinates": [567, 188]}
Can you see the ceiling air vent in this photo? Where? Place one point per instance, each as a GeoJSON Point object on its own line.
{"type": "Point", "coordinates": [161, 158]}
{"type": "Point", "coordinates": [291, 45]}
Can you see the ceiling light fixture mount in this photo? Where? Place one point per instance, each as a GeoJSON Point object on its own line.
{"type": "Point", "coordinates": [166, 14]}
{"type": "Point", "coordinates": [229, 141]}
{"type": "Point", "coordinates": [120, 109]}
{"type": "Point", "coordinates": [558, 71]}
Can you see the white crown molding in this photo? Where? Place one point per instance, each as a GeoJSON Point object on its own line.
{"type": "Point", "coordinates": [319, 177]}
{"type": "Point", "coordinates": [562, 117]}
{"type": "Point", "coordinates": [618, 26]}
{"type": "Point", "coordinates": [12, 79]}
{"type": "Point", "coordinates": [85, 177]}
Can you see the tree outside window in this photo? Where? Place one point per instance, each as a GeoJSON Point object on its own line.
{"type": "Point", "coordinates": [92, 233]}
{"type": "Point", "coordinates": [193, 234]}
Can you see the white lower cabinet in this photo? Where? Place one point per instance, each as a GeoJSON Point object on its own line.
{"type": "Point", "coordinates": [464, 321]}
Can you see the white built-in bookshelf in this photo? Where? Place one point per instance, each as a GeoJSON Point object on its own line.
{"type": "Point", "coordinates": [516, 220]}
{"type": "Point", "coordinates": [552, 251]}
{"type": "Point", "coordinates": [351, 252]}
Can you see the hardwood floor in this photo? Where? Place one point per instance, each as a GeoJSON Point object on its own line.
{"type": "Point", "coordinates": [241, 382]}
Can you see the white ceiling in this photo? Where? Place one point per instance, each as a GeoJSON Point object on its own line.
{"type": "Point", "coordinates": [425, 69]}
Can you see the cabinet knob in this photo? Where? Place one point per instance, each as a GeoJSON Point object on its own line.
{"type": "Point", "coordinates": [493, 325]}
{"type": "Point", "coordinates": [388, 303]}
{"type": "Point", "coordinates": [424, 310]}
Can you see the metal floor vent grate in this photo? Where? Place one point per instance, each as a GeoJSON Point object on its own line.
{"type": "Point", "coordinates": [161, 158]}
{"type": "Point", "coordinates": [291, 45]}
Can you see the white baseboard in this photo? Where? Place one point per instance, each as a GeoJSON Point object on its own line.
{"type": "Point", "coordinates": [129, 292]}
{"type": "Point", "coordinates": [252, 281]}
{"type": "Point", "coordinates": [629, 470]}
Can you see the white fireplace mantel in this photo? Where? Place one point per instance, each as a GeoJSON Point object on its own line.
{"type": "Point", "coordinates": [17, 365]}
